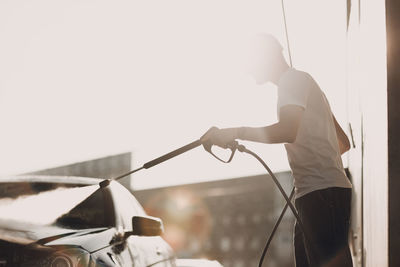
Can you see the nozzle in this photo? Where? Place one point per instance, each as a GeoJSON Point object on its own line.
{"type": "Point", "coordinates": [104, 183]}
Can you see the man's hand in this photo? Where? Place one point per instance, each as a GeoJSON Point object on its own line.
{"type": "Point", "coordinates": [343, 140]}
{"type": "Point", "coordinates": [220, 137]}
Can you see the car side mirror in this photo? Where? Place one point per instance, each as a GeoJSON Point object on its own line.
{"type": "Point", "coordinates": [146, 226]}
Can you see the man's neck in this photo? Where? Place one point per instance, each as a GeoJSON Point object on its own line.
{"type": "Point", "coordinates": [280, 71]}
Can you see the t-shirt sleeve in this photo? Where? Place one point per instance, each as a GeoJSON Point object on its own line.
{"type": "Point", "coordinates": [293, 90]}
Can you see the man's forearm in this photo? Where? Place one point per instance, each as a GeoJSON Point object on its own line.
{"type": "Point", "coordinates": [272, 134]}
{"type": "Point", "coordinates": [284, 131]}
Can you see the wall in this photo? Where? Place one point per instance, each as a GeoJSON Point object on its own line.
{"type": "Point", "coordinates": [367, 86]}
{"type": "Point", "coordinates": [393, 46]}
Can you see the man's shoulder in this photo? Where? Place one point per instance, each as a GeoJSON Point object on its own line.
{"type": "Point", "coordinates": [295, 73]}
{"type": "Point", "coordinates": [294, 77]}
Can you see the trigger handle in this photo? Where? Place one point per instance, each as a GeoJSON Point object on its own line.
{"type": "Point", "coordinates": [207, 146]}
{"type": "Point", "coordinates": [233, 145]}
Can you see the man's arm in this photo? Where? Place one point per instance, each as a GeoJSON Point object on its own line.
{"type": "Point", "coordinates": [343, 141]}
{"type": "Point", "coordinates": [284, 131]}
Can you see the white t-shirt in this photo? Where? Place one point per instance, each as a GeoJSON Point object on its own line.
{"type": "Point", "coordinates": [314, 157]}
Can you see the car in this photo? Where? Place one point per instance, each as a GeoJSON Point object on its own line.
{"type": "Point", "coordinates": [61, 221]}
{"type": "Point", "coordinates": [197, 263]}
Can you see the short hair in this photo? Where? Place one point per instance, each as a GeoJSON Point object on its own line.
{"type": "Point", "coordinates": [261, 49]}
{"type": "Point", "coordinates": [266, 44]}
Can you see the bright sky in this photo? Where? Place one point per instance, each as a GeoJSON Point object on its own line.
{"type": "Point", "coordinates": [86, 79]}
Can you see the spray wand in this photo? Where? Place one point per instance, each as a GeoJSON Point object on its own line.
{"type": "Point", "coordinates": [207, 146]}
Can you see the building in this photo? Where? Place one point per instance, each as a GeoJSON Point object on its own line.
{"type": "Point", "coordinates": [227, 220]}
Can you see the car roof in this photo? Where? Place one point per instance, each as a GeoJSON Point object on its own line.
{"type": "Point", "coordinates": [50, 179]}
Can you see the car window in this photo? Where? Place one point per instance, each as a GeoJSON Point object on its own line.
{"type": "Point", "coordinates": [94, 212]}
{"type": "Point", "coordinates": [126, 206]}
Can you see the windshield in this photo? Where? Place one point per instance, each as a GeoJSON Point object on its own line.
{"type": "Point", "coordinates": [72, 206]}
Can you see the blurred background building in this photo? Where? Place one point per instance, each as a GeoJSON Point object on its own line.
{"type": "Point", "coordinates": [227, 220]}
{"type": "Point", "coordinates": [106, 167]}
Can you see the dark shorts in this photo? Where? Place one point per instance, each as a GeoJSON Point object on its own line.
{"type": "Point", "coordinates": [325, 215]}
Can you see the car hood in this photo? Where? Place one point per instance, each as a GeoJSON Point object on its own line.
{"type": "Point", "coordinates": [26, 234]}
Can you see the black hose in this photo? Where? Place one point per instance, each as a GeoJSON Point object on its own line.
{"type": "Point", "coordinates": [271, 236]}
{"type": "Point", "coordinates": [242, 148]}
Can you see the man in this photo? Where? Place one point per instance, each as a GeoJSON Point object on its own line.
{"type": "Point", "coordinates": [314, 142]}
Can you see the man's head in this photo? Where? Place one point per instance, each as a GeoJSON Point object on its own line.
{"type": "Point", "coordinates": [265, 59]}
